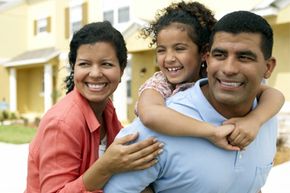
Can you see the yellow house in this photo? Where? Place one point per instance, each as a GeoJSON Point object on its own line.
{"type": "Point", "coordinates": [278, 15]}
{"type": "Point", "coordinates": [34, 50]}
{"type": "Point", "coordinates": [35, 37]}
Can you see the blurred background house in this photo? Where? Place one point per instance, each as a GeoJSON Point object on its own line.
{"type": "Point", "coordinates": [35, 37]}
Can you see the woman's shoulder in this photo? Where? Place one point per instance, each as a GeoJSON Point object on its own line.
{"type": "Point", "coordinates": [67, 111]}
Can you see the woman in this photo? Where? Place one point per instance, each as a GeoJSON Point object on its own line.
{"type": "Point", "coordinates": [68, 152]}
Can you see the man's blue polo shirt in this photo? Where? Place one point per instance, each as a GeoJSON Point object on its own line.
{"type": "Point", "coordinates": [194, 165]}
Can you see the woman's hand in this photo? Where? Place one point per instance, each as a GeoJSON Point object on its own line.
{"type": "Point", "coordinates": [121, 157]}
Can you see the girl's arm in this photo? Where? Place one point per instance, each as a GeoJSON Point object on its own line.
{"type": "Point", "coordinates": [154, 114]}
{"type": "Point", "coordinates": [246, 128]}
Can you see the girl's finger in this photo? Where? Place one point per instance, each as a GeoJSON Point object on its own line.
{"type": "Point", "coordinates": [233, 135]}
{"type": "Point", "coordinates": [237, 140]}
{"type": "Point", "coordinates": [245, 142]}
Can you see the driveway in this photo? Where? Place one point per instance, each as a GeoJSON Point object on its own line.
{"type": "Point", "coordinates": [278, 180]}
{"type": "Point", "coordinates": [13, 168]}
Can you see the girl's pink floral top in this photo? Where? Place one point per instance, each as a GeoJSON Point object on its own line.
{"type": "Point", "coordinates": [159, 83]}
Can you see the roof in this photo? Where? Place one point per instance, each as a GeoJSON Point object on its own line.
{"type": "Point", "coordinates": [131, 29]}
{"type": "Point", "coordinates": [6, 4]}
{"type": "Point", "coordinates": [270, 7]}
{"type": "Point", "coordinates": [33, 57]}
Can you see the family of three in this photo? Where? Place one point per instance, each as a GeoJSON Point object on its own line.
{"type": "Point", "coordinates": [214, 134]}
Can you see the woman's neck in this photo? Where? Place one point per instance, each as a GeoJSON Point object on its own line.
{"type": "Point", "coordinates": [98, 108]}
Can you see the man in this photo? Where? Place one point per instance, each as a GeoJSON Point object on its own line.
{"type": "Point", "coordinates": [240, 58]}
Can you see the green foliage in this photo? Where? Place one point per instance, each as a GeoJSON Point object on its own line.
{"type": "Point", "coordinates": [1, 117]}
{"type": "Point", "coordinates": [16, 134]}
{"type": "Point", "coordinates": [7, 115]}
{"type": "Point", "coordinates": [13, 116]}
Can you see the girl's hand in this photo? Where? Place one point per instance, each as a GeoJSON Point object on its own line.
{"type": "Point", "coordinates": [120, 157]}
{"type": "Point", "coordinates": [220, 137]}
{"type": "Point", "coordinates": [244, 133]}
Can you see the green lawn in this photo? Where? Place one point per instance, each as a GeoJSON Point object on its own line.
{"type": "Point", "coordinates": [16, 134]}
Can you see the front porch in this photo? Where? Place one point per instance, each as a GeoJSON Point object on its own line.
{"type": "Point", "coordinates": [33, 82]}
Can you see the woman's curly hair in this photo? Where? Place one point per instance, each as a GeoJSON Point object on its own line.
{"type": "Point", "coordinates": [196, 16]}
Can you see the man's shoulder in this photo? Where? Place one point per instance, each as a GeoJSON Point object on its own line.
{"type": "Point", "coordinates": [136, 127]}
{"type": "Point", "coordinates": [181, 95]}
{"type": "Point", "coordinates": [188, 96]}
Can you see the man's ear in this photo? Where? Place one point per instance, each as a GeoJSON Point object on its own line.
{"type": "Point", "coordinates": [270, 65]}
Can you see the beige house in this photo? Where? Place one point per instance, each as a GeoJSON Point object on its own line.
{"type": "Point", "coordinates": [35, 36]}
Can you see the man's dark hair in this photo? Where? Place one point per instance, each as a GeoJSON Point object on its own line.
{"type": "Point", "coordinates": [246, 22]}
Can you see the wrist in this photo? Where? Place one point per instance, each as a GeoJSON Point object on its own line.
{"type": "Point", "coordinates": [96, 176]}
{"type": "Point", "coordinates": [255, 118]}
{"type": "Point", "coordinates": [210, 131]}
{"type": "Point", "coordinates": [103, 167]}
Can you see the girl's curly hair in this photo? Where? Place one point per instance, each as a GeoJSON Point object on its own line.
{"type": "Point", "coordinates": [199, 19]}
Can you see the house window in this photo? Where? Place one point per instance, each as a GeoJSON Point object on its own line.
{"type": "Point", "coordinates": [109, 16]}
{"type": "Point", "coordinates": [76, 14]}
{"type": "Point", "coordinates": [129, 91]}
{"type": "Point", "coordinates": [128, 75]}
{"type": "Point", "coordinates": [123, 14]}
{"type": "Point", "coordinates": [41, 25]}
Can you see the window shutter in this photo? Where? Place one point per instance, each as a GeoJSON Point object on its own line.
{"type": "Point", "coordinates": [67, 23]}
{"type": "Point", "coordinates": [35, 27]}
{"type": "Point", "coordinates": [85, 13]}
{"type": "Point", "coordinates": [48, 27]}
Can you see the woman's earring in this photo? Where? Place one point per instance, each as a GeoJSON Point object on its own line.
{"type": "Point", "coordinates": [202, 72]}
{"type": "Point", "coordinates": [71, 78]}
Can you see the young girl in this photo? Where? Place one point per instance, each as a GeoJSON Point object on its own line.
{"type": "Point", "coordinates": [181, 34]}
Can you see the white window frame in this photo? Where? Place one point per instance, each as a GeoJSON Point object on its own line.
{"type": "Point", "coordinates": [119, 15]}
{"type": "Point", "coordinates": [41, 25]}
{"type": "Point", "coordinates": [107, 12]}
{"type": "Point", "coordinates": [111, 5]}
{"type": "Point", "coordinates": [75, 15]}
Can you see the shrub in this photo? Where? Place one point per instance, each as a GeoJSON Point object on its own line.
{"type": "Point", "coordinates": [13, 116]}
{"type": "Point", "coordinates": [280, 142]}
{"type": "Point", "coordinates": [1, 117]}
{"type": "Point", "coordinates": [5, 115]}
{"type": "Point", "coordinates": [36, 121]}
